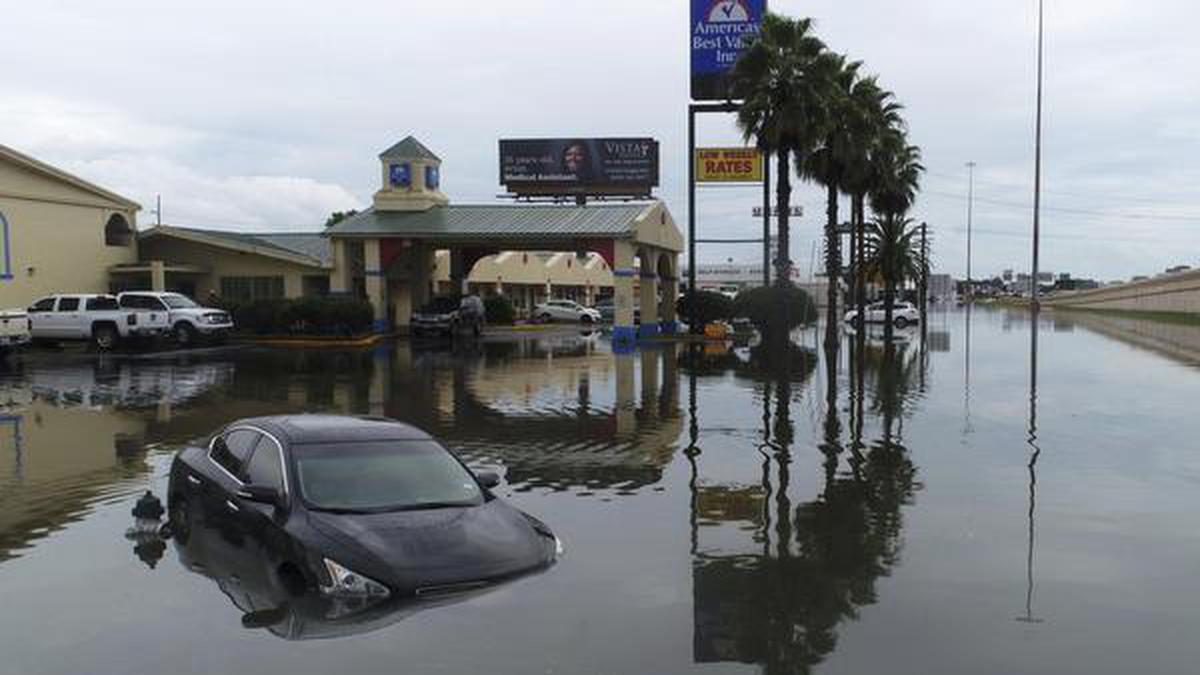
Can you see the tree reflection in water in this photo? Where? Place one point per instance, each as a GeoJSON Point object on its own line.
{"type": "Point", "coordinates": [815, 563]}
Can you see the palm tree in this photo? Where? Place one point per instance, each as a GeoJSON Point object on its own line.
{"type": "Point", "coordinates": [893, 254]}
{"type": "Point", "coordinates": [829, 164]}
{"type": "Point", "coordinates": [878, 131]}
{"type": "Point", "coordinates": [782, 106]}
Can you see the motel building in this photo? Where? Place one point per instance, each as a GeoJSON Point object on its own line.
{"type": "Point", "coordinates": [390, 252]}
{"type": "Point", "coordinates": [62, 234]}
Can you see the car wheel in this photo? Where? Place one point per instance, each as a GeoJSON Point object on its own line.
{"type": "Point", "coordinates": [901, 322]}
{"type": "Point", "coordinates": [104, 337]}
{"type": "Point", "coordinates": [587, 319]}
{"type": "Point", "coordinates": [546, 318]}
{"type": "Point", "coordinates": [185, 334]}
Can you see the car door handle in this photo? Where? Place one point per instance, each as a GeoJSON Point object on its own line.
{"type": "Point", "coordinates": [193, 480]}
{"type": "Point", "coordinates": [231, 506]}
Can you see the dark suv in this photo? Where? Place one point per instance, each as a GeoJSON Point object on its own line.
{"type": "Point", "coordinates": [449, 316]}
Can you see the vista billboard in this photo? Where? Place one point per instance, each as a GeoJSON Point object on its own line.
{"type": "Point", "coordinates": [720, 31]}
{"type": "Point", "coordinates": [579, 166]}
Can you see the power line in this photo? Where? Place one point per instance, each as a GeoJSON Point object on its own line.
{"type": "Point", "coordinates": [1107, 196]}
{"type": "Point", "coordinates": [1070, 211]}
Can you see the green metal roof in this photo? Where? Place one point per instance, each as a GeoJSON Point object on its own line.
{"type": "Point", "coordinates": [410, 148]}
{"type": "Point", "coordinates": [500, 221]}
{"type": "Point", "coordinates": [312, 245]}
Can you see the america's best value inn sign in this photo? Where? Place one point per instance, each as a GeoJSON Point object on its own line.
{"type": "Point", "coordinates": [719, 32]}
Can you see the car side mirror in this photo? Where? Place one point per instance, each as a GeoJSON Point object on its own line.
{"type": "Point", "coordinates": [488, 479]}
{"type": "Point", "coordinates": [261, 494]}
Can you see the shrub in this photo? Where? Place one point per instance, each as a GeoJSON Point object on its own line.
{"type": "Point", "coordinates": [498, 309]}
{"type": "Point", "coordinates": [775, 309]}
{"type": "Point", "coordinates": [304, 316]}
{"type": "Point", "coordinates": [709, 305]}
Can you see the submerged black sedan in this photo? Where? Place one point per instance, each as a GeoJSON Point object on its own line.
{"type": "Point", "coordinates": [355, 506]}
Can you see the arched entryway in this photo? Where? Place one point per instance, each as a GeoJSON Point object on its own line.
{"type": "Point", "coordinates": [117, 231]}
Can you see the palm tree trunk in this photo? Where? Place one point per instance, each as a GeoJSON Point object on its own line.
{"type": "Point", "coordinates": [859, 211]}
{"type": "Point", "coordinates": [783, 196]}
{"type": "Point", "coordinates": [889, 297]}
{"type": "Point", "coordinates": [833, 263]}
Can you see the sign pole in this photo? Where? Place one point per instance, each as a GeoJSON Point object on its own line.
{"type": "Point", "coordinates": [766, 219]}
{"type": "Point", "coordinates": [693, 325]}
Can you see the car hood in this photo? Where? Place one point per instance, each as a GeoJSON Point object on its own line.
{"type": "Point", "coordinates": [417, 550]}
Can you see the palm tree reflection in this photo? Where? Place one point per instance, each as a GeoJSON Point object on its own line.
{"type": "Point", "coordinates": [811, 564]}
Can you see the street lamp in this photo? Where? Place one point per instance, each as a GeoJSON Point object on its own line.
{"type": "Point", "coordinates": [1037, 168]}
{"type": "Point", "coordinates": [970, 211]}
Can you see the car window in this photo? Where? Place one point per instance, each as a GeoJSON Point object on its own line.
{"type": "Point", "coordinates": [265, 467]}
{"type": "Point", "coordinates": [177, 301]}
{"type": "Point", "coordinates": [43, 305]}
{"type": "Point", "coordinates": [68, 304]}
{"type": "Point", "coordinates": [101, 302]}
{"type": "Point", "coordinates": [141, 302]}
{"type": "Point", "coordinates": [383, 476]}
{"type": "Point", "coordinates": [231, 449]}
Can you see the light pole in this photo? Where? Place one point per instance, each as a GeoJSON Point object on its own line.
{"type": "Point", "coordinates": [970, 213]}
{"type": "Point", "coordinates": [1037, 167]}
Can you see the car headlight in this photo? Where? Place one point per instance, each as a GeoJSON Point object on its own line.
{"type": "Point", "coordinates": [348, 582]}
{"type": "Point", "coordinates": [558, 547]}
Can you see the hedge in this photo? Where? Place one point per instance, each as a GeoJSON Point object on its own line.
{"type": "Point", "coordinates": [304, 316]}
{"type": "Point", "coordinates": [499, 310]}
{"type": "Point", "coordinates": [710, 306]}
{"type": "Point", "coordinates": [775, 309]}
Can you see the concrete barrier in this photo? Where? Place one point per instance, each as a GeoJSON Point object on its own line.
{"type": "Point", "coordinates": [1173, 293]}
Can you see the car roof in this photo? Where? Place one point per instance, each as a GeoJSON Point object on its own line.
{"type": "Point", "coordinates": [321, 428]}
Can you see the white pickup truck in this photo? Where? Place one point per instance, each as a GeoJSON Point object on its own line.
{"type": "Point", "coordinates": [187, 321]}
{"type": "Point", "coordinates": [92, 317]}
{"type": "Point", "coordinates": [14, 330]}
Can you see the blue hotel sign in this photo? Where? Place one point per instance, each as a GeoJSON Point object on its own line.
{"type": "Point", "coordinates": [720, 30]}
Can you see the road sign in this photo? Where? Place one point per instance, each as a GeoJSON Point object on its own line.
{"type": "Point", "coordinates": [793, 212]}
{"type": "Point", "coordinates": [729, 165]}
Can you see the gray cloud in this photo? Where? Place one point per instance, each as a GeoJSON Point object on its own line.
{"type": "Point", "coordinates": [271, 116]}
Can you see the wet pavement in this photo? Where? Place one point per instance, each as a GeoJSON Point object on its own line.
{"type": "Point", "coordinates": [936, 505]}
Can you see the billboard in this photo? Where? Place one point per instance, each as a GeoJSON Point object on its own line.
{"type": "Point", "coordinates": [719, 32]}
{"type": "Point", "coordinates": [548, 166]}
{"type": "Point", "coordinates": [729, 165]}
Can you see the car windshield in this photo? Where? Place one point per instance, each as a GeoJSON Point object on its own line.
{"type": "Point", "coordinates": [175, 301]}
{"type": "Point", "coordinates": [442, 305]}
{"type": "Point", "coordinates": [383, 476]}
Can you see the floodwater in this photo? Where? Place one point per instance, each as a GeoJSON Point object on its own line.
{"type": "Point", "coordinates": [954, 510]}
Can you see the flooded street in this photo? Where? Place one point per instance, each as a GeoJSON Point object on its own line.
{"type": "Point", "coordinates": [717, 514]}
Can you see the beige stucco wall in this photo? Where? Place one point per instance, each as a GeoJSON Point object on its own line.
{"type": "Point", "coordinates": [1171, 293]}
{"type": "Point", "coordinates": [56, 236]}
{"type": "Point", "coordinates": [224, 262]}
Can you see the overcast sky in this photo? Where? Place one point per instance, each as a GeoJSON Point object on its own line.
{"type": "Point", "coordinates": [268, 117]}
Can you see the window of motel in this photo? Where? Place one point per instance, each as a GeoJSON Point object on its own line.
{"type": "Point", "coordinates": [245, 289]}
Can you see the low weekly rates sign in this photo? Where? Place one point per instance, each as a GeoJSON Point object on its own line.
{"type": "Point", "coordinates": [729, 165]}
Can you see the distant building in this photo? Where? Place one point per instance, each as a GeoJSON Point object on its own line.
{"type": "Point", "coordinates": [941, 287]}
{"type": "Point", "coordinates": [1178, 268]}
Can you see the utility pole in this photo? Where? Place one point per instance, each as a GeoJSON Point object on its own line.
{"type": "Point", "coordinates": [924, 272]}
{"type": "Point", "coordinates": [970, 213]}
{"type": "Point", "coordinates": [1037, 168]}
{"type": "Point", "coordinates": [158, 209]}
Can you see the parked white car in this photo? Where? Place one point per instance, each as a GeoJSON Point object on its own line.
{"type": "Point", "coordinates": [14, 330]}
{"type": "Point", "coordinates": [91, 317]}
{"type": "Point", "coordinates": [565, 310]}
{"type": "Point", "coordinates": [903, 314]}
{"type": "Point", "coordinates": [188, 321]}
